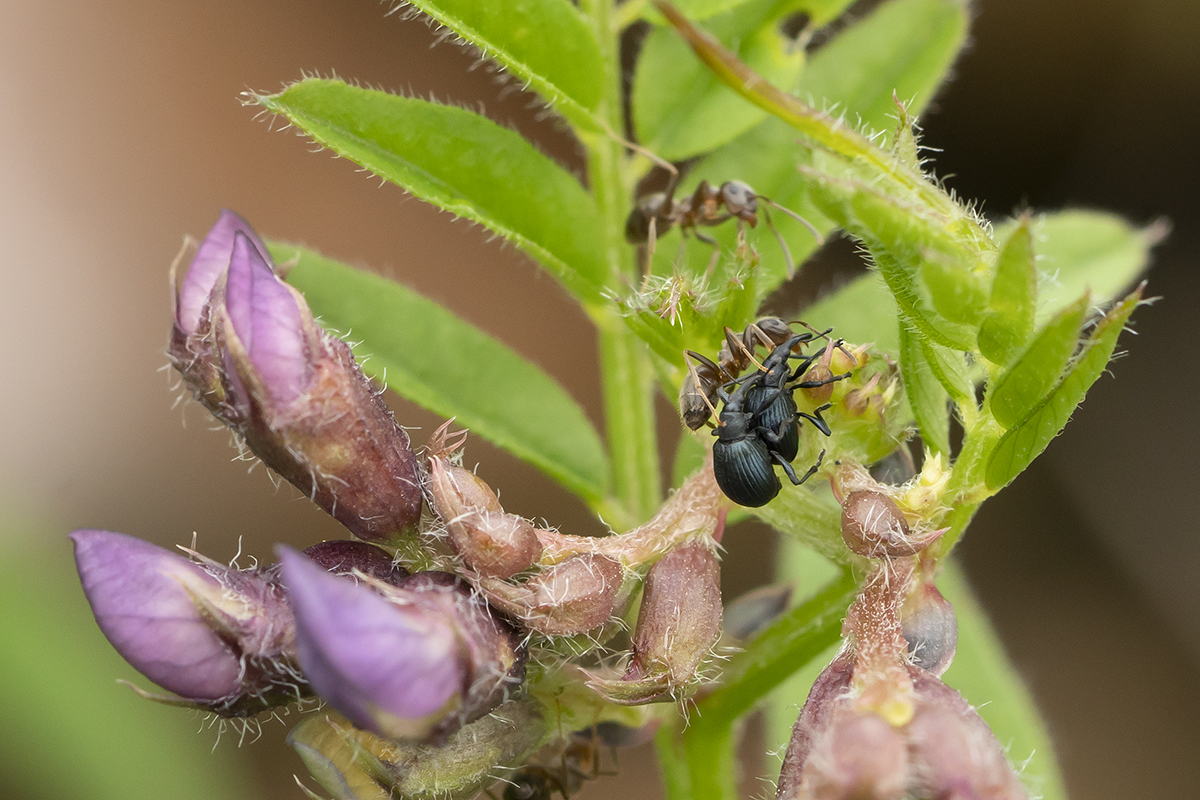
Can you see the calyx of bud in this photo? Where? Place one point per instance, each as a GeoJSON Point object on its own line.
{"type": "Point", "coordinates": [253, 355]}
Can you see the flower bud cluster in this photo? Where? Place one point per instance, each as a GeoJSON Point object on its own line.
{"type": "Point", "coordinates": [879, 724]}
{"type": "Point", "coordinates": [247, 345]}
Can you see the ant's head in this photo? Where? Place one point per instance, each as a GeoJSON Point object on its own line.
{"type": "Point", "coordinates": [741, 201]}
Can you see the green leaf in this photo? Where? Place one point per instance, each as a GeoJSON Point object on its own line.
{"type": "Point", "coordinates": [546, 43]}
{"type": "Point", "coordinates": [680, 109]}
{"type": "Point", "coordinates": [812, 518]}
{"type": "Point", "coordinates": [926, 394]}
{"type": "Point", "coordinates": [703, 9]}
{"type": "Point", "coordinates": [986, 678]}
{"type": "Point", "coordinates": [1025, 385]}
{"type": "Point", "coordinates": [1009, 322]}
{"type": "Point", "coordinates": [912, 44]}
{"type": "Point", "coordinates": [689, 457]}
{"type": "Point", "coordinates": [462, 163]}
{"type": "Point", "coordinates": [70, 730]}
{"type": "Point", "coordinates": [1028, 438]}
{"type": "Point", "coordinates": [904, 47]}
{"type": "Point", "coordinates": [435, 359]}
{"type": "Point", "coordinates": [950, 369]}
{"type": "Point", "coordinates": [1080, 251]}
{"type": "Point", "coordinates": [861, 312]}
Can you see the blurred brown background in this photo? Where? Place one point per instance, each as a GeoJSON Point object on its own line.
{"type": "Point", "coordinates": [120, 130]}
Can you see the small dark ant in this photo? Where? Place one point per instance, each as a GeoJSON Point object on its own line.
{"type": "Point", "coordinates": [708, 206]}
{"type": "Point", "coordinates": [698, 393]}
{"type": "Point", "coordinates": [580, 762]}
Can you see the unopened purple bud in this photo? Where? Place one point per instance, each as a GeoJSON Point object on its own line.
{"type": "Point", "coordinates": [218, 637]}
{"type": "Point", "coordinates": [929, 626]}
{"type": "Point", "coordinates": [344, 557]}
{"type": "Point", "coordinates": [255, 357]}
{"type": "Point", "coordinates": [264, 313]}
{"type": "Point", "coordinates": [411, 661]}
{"type": "Point", "coordinates": [679, 622]}
{"type": "Point", "coordinates": [208, 268]}
{"type": "Point", "coordinates": [391, 670]}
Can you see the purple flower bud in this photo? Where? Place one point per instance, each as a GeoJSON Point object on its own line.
{"type": "Point", "coordinates": [407, 662]}
{"type": "Point", "coordinates": [341, 557]}
{"type": "Point", "coordinates": [254, 356]}
{"type": "Point", "coordinates": [218, 637]}
{"type": "Point", "coordinates": [679, 622]}
{"type": "Point", "coordinates": [208, 268]}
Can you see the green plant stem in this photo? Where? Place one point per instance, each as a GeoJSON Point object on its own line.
{"type": "Point", "coordinates": [626, 373]}
{"type": "Point", "coordinates": [699, 762]}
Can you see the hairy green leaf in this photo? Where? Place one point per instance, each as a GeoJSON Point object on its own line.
{"type": "Point", "coordinates": [427, 354]}
{"type": "Point", "coordinates": [904, 47]}
{"type": "Point", "coordinates": [1082, 251]}
{"type": "Point", "coordinates": [926, 393]}
{"type": "Point", "coordinates": [463, 163]}
{"type": "Point", "coordinates": [1027, 382]}
{"type": "Point", "coordinates": [547, 43]}
{"type": "Point", "coordinates": [986, 678]}
{"type": "Point", "coordinates": [1028, 438]}
{"type": "Point", "coordinates": [911, 44]}
{"type": "Point", "coordinates": [680, 109]}
{"type": "Point", "coordinates": [950, 369]}
{"type": "Point", "coordinates": [1009, 322]}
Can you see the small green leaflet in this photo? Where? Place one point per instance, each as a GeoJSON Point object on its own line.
{"type": "Point", "coordinates": [926, 393]}
{"type": "Point", "coordinates": [546, 43]}
{"type": "Point", "coordinates": [463, 163]}
{"type": "Point", "coordinates": [442, 363]}
{"type": "Point", "coordinates": [1008, 324]}
{"type": "Point", "coordinates": [1036, 372]}
{"type": "Point", "coordinates": [1028, 438]}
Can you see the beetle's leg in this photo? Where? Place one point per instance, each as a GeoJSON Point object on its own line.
{"type": "Point", "coordinates": [816, 419]}
{"type": "Point", "coordinates": [811, 470]}
{"type": "Point", "coordinates": [823, 382]}
{"type": "Point", "coordinates": [805, 363]}
{"type": "Point", "coordinates": [787, 467]}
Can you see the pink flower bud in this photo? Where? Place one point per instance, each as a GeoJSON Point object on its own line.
{"type": "Point", "coordinates": [491, 542]}
{"type": "Point", "coordinates": [873, 526]}
{"type": "Point", "coordinates": [679, 622]}
{"type": "Point", "coordinates": [412, 661]}
{"type": "Point", "coordinates": [252, 353]}
{"type": "Point", "coordinates": [571, 597]}
{"type": "Point", "coordinates": [218, 637]}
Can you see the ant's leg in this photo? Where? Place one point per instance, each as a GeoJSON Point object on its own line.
{"type": "Point", "coordinates": [816, 419]}
{"type": "Point", "coordinates": [787, 254]}
{"type": "Point", "coordinates": [823, 382]}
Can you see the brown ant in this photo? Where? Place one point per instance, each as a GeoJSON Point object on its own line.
{"type": "Point", "coordinates": [580, 762]}
{"type": "Point", "coordinates": [698, 393]}
{"type": "Point", "coordinates": [707, 206]}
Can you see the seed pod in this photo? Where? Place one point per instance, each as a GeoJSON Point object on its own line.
{"type": "Point", "coordinates": [491, 542]}
{"type": "Point", "coordinates": [679, 622]}
{"type": "Point", "coordinates": [571, 597]}
{"type": "Point", "coordinates": [873, 526]}
{"type": "Point", "coordinates": [929, 626]}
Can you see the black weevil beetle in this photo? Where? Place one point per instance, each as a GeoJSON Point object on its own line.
{"type": "Point", "coordinates": [776, 410]}
{"type": "Point", "coordinates": [744, 455]}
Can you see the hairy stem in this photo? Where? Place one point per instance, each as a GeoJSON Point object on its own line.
{"type": "Point", "coordinates": [626, 374]}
